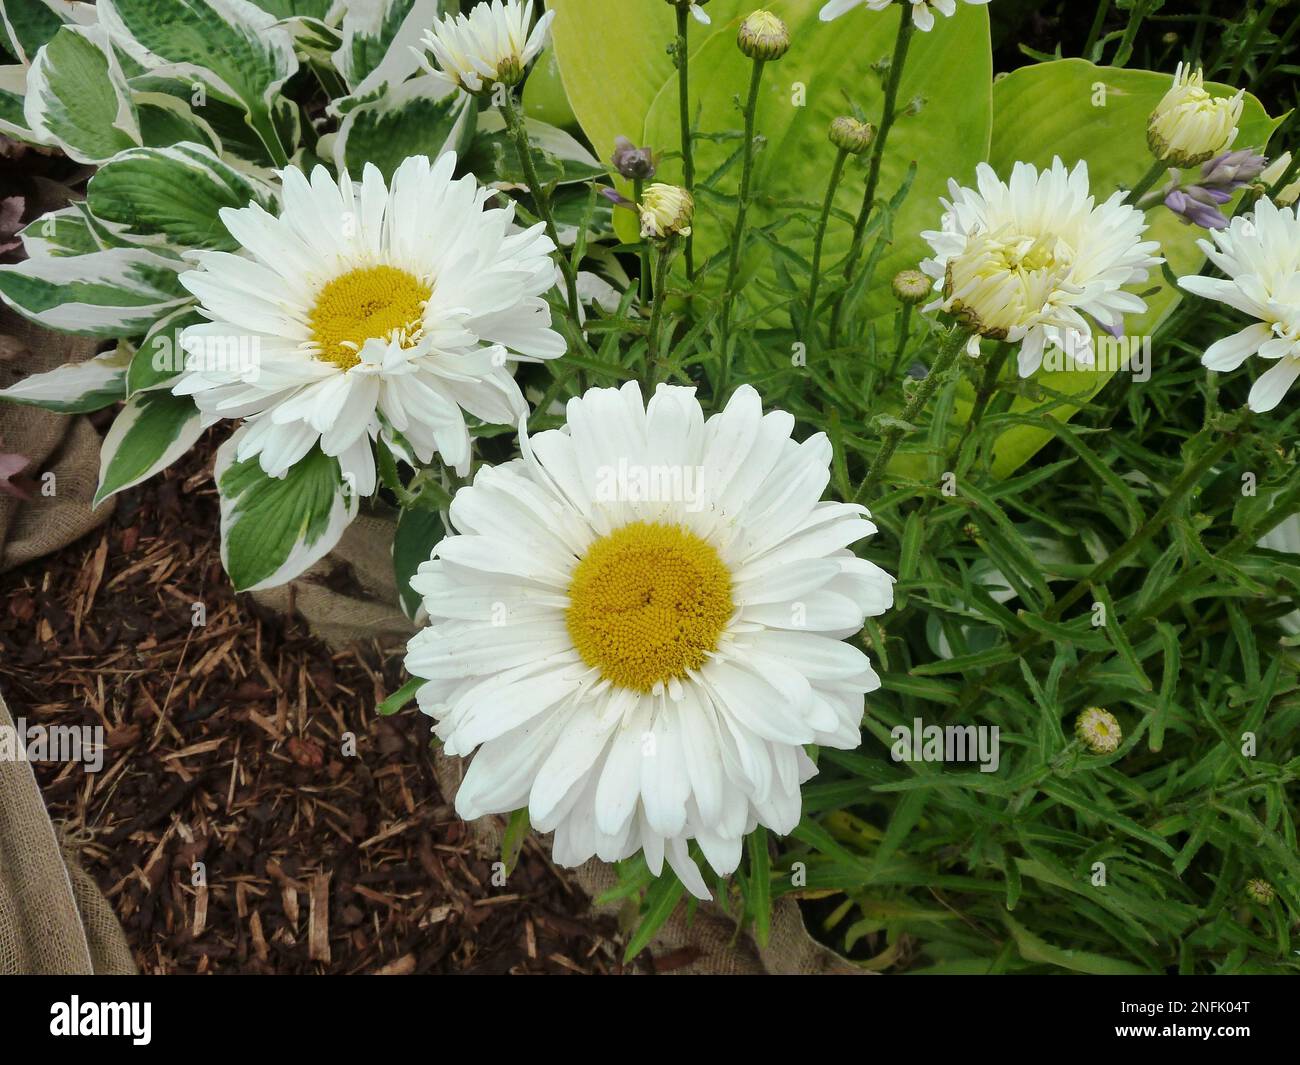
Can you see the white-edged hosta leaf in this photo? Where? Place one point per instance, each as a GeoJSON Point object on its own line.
{"type": "Point", "coordinates": [419, 117]}
{"type": "Point", "coordinates": [166, 120]}
{"type": "Point", "coordinates": [29, 24]}
{"type": "Point", "coordinates": [322, 10]}
{"type": "Point", "coordinates": [233, 47]}
{"type": "Point", "coordinates": [378, 39]}
{"type": "Point", "coordinates": [171, 196]}
{"type": "Point", "coordinates": [113, 293]}
{"type": "Point", "coordinates": [152, 431]}
{"type": "Point", "coordinates": [13, 88]}
{"type": "Point", "coordinates": [64, 232]}
{"type": "Point", "coordinates": [272, 529]}
{"type": "Point", "coordinates": [160, 356]}
{"type": "Point", "coordinates": [77, 96]}
{"type": "Point", "coordinates": [225, 117]}
{"type": "Point", "coordinates": [75, 387]}
{"type": "Point", "coordinates": [560, 157]}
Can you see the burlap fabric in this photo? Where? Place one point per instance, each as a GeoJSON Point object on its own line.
{"type": "Point", "coordinates": [53, 918]}
{"type": "Point", "coordinates": [708, 942]}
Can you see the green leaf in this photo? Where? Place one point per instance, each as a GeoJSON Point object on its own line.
{"type": "Point", "coordinates": [377, 43]}
{"type": "Point", "coordinates": [512, 839]}
{"type": "Point", "coordinates": [418, 530]}
{"type": "Point", "coordinates": [1034, 949]}
{"type": "Point", "coordinates": [172, 195]}
{"type": "Point", "coordinates": [401, 697]}
{"type": "Point", "coordinates": [75, 387]}
{"type": "Point", "coordinates": [77, 97]}
{"type": "Point", "coordinates": [113, 293]}
{"type": "Point", "coordinates": [1059, 109]}
{"type": "Point", "coordinates": [160, 356]}
{"type": "Point", "coordinates": [621, 81]}
{"type": "Point", "coordinates": [419, 117]}
{"type": "Point", "coordinates": [29, 24]}
{"type": "Point", "coordinates": [274, 528]}
{"type": "Point", "coordinates": [660, 900]}
{"type": "Point", "coordinates": [153, 430]}
{"type": "Point", "coordinates": [232, 47]}
{"type": "Point", "coordinates": [760, 885]}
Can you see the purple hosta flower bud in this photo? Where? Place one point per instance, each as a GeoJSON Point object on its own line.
{"type": "Point", "coordinates": [635, 164]}
{"type": "Point", "coordinates": [1199, 206]}
{"type": "Point", "coordinates": [1232, 169]}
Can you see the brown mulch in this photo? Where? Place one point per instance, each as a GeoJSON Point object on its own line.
{"type": "Point", "coordinates": [253, 813]}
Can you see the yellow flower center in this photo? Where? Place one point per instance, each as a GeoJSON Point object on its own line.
{"type": "Point", "coordinates": [648, 602]}
{"type": "Point", "coordinates": [370, 302]}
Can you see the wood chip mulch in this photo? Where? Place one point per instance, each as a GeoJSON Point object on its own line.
{"type": "Point", "coordinates": [232, 827]}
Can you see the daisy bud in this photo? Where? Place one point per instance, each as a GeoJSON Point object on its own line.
{"type": "Point", "coordinates": [850, 135]}
{"type": "Point", "coordinates": [911, 286]}
{"type": "Point", "coordinates": [1287, 196]}
{"type": "Point", "coordinates": [1098, 730]}
{"type": "Point", "coordinates": [1189, 125]}
{"type": "Point", "coordinates": [635, 164]}
{"type": "Point", "coordinates": [666, 210]}
{"type": "Point", "coordinates": [1272, 173]}
{"type": "Point", "coordinates": [763, 36]}
{"type": "Point", "coordinates": [1260, 891]}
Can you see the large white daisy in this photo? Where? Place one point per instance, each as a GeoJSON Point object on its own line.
{"type": "Point", "coordinates": [641, 622]}
{"type": "Point", "coordinates": [491, 45]}
{"type": "Point", "coordinates": [369, 310]}
{"type": "Point", "coordinates": [922, 10]}
{"type": "Point", "coordinates": [1260, 253]}
{"type": "Point", "coordinates": [1037, 260]}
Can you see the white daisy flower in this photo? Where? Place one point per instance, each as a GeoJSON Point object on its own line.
{"type": "Point", "coordinates": [922, 10]}
{"type": "Point", "coordinates": [1260, 253]}
{"type": "Point", "coordinates": [1036, 260]}
{"type": "Point", "coordinates": [369, 310]}
{"type": "Point", "coordinates": [641, 623]}
{"type": "Point", "coordinates": [491, 45]}
{"type": "Point", "coordinates": [1189, 126]}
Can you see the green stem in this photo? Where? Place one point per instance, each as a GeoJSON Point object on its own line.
{"type": "Point", "coordinates": [1103, 8]}
{"type": "Point", "coordinates": [638, 186]}
{"type": "Point", "coordinates": [684, 116]}
{"type": "Point", "coordinates": [653, 353]}
{"type": "Point", "coordinates": [542, 200]}
{"type": "Point", "coordinates": [949, 349]}
{"type": "Point", "coordinates": [1146, 181]}
{"type": "Point", "coordinates": [738, 231]}
{"type": "Point", "coordinates": [836, 170]}
{"type": "Point", "coordinates": [887, 115]}
{"type": "Point", "coordinates": [987, 388]}
{"type": "Point", "coordinates": [1135, 19]}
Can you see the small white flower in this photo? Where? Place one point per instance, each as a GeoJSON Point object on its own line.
{"type": "Point", "coordinates": [1189, 125]}
{"type": "Point", "coordinates": [922, 10]}
{"type": "Point", "coordinates": [371, 309]}
{"type": "Point", "coordinates": [666, 210]}
{"type": "Point", "coordinates": [1098, 730]}
{"type": "Point", "coordinates": [491, 45]}
{"type": "Point", "coordinates": [1260, 253]}
{"type": "Point", "coordinates": [1036, 261]}
{"type": "Point", "coordinates": [642, 622]}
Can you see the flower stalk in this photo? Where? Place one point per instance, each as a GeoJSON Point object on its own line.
{"type": "Point", "coordinates": [888, 113]}
{"type": "Point", "coordinates": [684, 116]}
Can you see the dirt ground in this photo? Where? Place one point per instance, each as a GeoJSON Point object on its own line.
{"type": "Point", "coordinates": [231, 827]}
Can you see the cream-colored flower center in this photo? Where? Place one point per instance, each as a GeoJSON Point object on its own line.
{"type": "Point", "coordinates": [1005, 280]}
{"type": "Point", "coordinates": [647, 603]}
{"type": "Point", "coordinates": [368, 303]}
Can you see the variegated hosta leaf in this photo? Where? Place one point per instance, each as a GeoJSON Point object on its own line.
{"type": "Point", "coordinates": [28, 24]}
{"type": "Point", "coordinates": [75, 387]}
{"type": "Point", "coordinates": [77, 96]}
{"type": "Point", "coordinates": [232, 47]}
{"type": "Point", "coordinates": [160, 356]}
{"type": "Point", "coordinates": [13, 87]}
{"type": "Point", "coordinates": [114, 293]}
{"type": "Point", "coordinates": [377, 42]}
{"type": "Point", "coordinates": [153, 430]}
{"type": "Point", "coordinates": [272, 529]}
{"type": "Point", "coordinates": [172, 196]}
{"type": "Point", "coordinates": [166, 120]}
{"type": "Point", "coordinates": [419, 117]}
{"type": "Point", "coordinates": [63, 232]}
{"type": "Point", "coordinates": [226, 118]}
{"type": "Point", "coordinates": [559, 157]}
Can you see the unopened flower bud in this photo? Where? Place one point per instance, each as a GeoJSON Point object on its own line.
{"type": "Point", "coordinates": [852, 136]}
{"type": "Point", "coordinates": [666, 210]}
{"type": "Point", "coordinates": [1098, 730]}
{"type": "Point", "coordinates": [763, 36]}
{"type": "Point", "coordinates": [1189, 125]}
{"type": "Point", "coordinates": [911, 286]}
{"type": "Point", "coordinates": [1233, 169]}
{"type": "Point", "coordinates": [1260, 891]}
{"type": "Point", "coordinates": [635, 164]}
